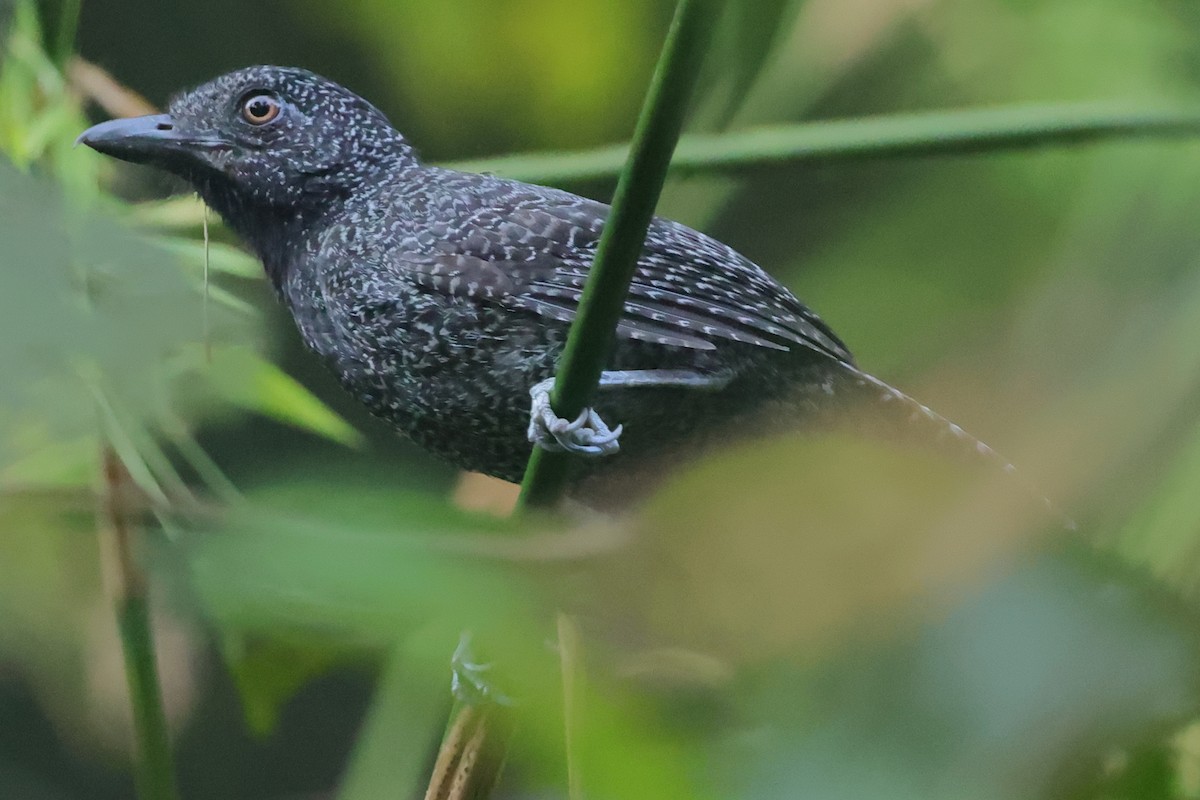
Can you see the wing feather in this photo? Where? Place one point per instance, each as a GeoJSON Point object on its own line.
{"type": "Point", "coordinates": [533, 252]}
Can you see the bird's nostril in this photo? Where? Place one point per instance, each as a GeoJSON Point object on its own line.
{"type": "Point", "coordinates": [164, 126]}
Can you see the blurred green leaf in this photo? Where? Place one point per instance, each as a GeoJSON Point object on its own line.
{"type": "Point", "coordinates": [1164, 534]}
{"type": "Point", "coordinates": [57, 631]}
{"type": "Point", "coordinates": [402, 727]}
{"type": "Point", "coordinates": [374, 563]}
{"type": "Point", "coordinates": [269, 671]}
{"type": "Point", "coordinates": [240, 377]}
{"type": "Point", "coordinates": [786, 516]}
{"type": "Point", "coordinates": [586, 62]}
{"type": "Point", "coordinates": [50, 462]}
{"type": "Point", "coordinates": [291, 563]}
{"type": "Point", "coordinates": [746, 38]}
{"type": "Point", "coordinates": [86, 302]}
{"type": "Point", "coordinates": [39, 115]}
{"type": "Point", "coordinates": [180, 212]}
{"type": "Point", "coordinates": [220, 257]}
{"type": "Point", "coordinates": [1026, 689]}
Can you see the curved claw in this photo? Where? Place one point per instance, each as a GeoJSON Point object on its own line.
{"type": "Point", "coordinates": [586, 435]}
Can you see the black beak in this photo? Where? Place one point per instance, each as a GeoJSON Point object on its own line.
{"type": "Point", "coordinates": [144, 139]}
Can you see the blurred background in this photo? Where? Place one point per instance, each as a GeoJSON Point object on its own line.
{"type": "Point", "coordinates": [818, 616]}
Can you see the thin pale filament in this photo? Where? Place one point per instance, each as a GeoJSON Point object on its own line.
{"type": "Point", "coordinates": [207, 337]}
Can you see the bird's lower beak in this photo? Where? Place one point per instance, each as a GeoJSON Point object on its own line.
{"type": "Point", "coordinates": [143, 139]}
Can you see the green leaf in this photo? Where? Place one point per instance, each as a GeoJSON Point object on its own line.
{"type": "Point", "coordinates": [221, 257]}
{"type": "Point", "coordinates": [401, 729]}
{"type": "Point", "coordinates": [369, 568]}
{"type": "Point", "coordinates": [175, 213]}
{"type": "Point", "coordinates": [337, 567]}
{"type": "Point", "coordinates": [39, 114]}
{"type": "Point", "coordinates": [269, 671]}
{"type": "Point", "coordinates": [51, 462]}
{"type": "Point", "coordinates": [88, 303]}
{"type": "Point", "coordinates": [1025, 689]}
{"type": "Point", "coordinates": [245, 379]}
{"type": "Point", "coordinates": [1164, 534]}
{"type": "Point", "coordinates": [745, 40]}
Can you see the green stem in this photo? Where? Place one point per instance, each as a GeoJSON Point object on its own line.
{"type": "Point", "coordinates": [888, 136]}
{"type": "Point", "coordinates": [473, 752]}
{"type": "Point", "coordinates": [590, 340]}
{"type": "Point", "coordinates": [155, 772]}
{"type": "Point", "coordinates": [153, 768]}
{"type": "Point", "coordinates": [68, 25]}
{"type": "Point", "coordinates": [571, 665]}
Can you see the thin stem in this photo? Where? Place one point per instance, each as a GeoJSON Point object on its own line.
{"type": "Point", "coordinates": [68, 26]}
{"type": "Point", "coordinates": [153, 767]}
{"type": "Point", "coordinates": [208, 352]}
{"type": "Point", "coordinates": [590, 340]}
{"type": "Point", "coordinates": [476, 740]}
{"type": "Point", "coordinates": [95, 84]}
{"type": "Point", "coordinates": [200, 461]}
{"type": "Point", "coordinates": [473, 752]}
{"type": "Point", "coordinates": [125, 449]}
{"type": "Point", "coordinates": [571, 659]}
{"type": "Point", "coordinates": [970, 131]}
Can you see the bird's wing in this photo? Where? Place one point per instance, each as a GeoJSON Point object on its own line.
{"type": "Point", "coordinates": [688, 289]}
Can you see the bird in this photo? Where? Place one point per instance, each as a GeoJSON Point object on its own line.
{"type": "Point", "coordinates": [442, 299]}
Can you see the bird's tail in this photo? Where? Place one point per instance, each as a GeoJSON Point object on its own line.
{"type": "Point", "coordinates": [902, 412]}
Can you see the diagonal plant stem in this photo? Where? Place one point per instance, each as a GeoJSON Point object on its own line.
{"type": "Point", "coordinates": [590, 340]}
{"type": "Point", "coordinates": [473, 752]}
{"type": "Point", "coordinates": [153, 766]}
{"type": "Point", "coordinates": [939, 133]}
{"type": "Point", "coordinates": [476, 740]}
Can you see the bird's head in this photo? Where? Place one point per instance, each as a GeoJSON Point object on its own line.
{"type": "Point", "coordinates": [261, 137]}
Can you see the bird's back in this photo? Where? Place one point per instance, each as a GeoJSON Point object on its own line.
{"type": "Point", "coordinates": [439, 298]}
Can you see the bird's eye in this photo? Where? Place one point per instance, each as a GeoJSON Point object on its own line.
{"type": "Point", "coordinates": [259, 109]}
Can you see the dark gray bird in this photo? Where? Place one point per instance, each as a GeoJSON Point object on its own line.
{"type": "Point", "coordinates": [441, 299]}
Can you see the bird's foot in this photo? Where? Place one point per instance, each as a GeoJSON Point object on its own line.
{"type": "Point", "coordinates": [586, 435]}
{"type": "Point", "coordinates": [469, 679]}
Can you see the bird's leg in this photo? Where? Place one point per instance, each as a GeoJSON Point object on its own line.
{"type": "Point", "coordinates": [588, 434]}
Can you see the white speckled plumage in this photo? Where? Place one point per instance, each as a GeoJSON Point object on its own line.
{"type": "Point", "coordinates": [439, 297]}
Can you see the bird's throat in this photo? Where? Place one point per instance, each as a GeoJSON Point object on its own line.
{"type": "Point", "coordinates": [272, 231]}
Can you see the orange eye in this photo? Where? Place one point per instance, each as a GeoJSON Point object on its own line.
{"type": "Point", "coordinates": [260, 109]}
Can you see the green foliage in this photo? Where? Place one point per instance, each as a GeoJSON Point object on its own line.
{"type": "Point", "coordinates": [37, 111]}
{"type": "Point", "coordinates": [97, 314]}
{"type": "Point", "coordinates": [406, 716]}
{"type": "Point", "coordinates": [241, 378]}
{"type": "Point", "coordinates": [521, 69]}
{"type": "Point", "coordinates": [268, 673]}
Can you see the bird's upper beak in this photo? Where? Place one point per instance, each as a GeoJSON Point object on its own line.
{"type": "Point", "coordinates": [153, 138]}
